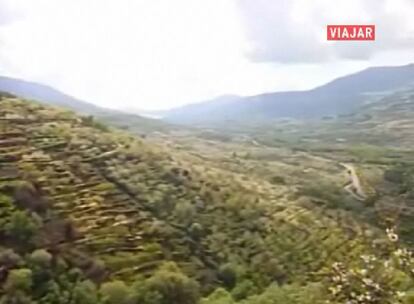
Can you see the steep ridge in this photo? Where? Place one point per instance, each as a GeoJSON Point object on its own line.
{"type": "Point", "coordinates": [133, 205]}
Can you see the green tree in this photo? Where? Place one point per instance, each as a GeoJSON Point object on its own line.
{"type": "Point", "coordinates": [228, 275]}
{"type": "Point", "coordinates": [219, 296]}
{"type": "Point", "coordinates": [41, 257]}
{"type": "Point", "coordinates": [54, 293]}
{"type": "Point", "coordinates": [17, 297]}
{"type": "Point", "coordinates": [85, 292]}
{"type": "Point", "coordinates": [290, 294]}
{"type": "Point", "coordinates": [115, 292]}
{"type": "Point", "coordinates": [19, 279]}
{"type": "Point", "coordinates": [185, 212]}
{"type": "Point", "coordinates": [244, 289]}
{"type": "Point", "coordinates": [22, 227]}
{"type": "Point", "coordinates": [196, 230]}
{"type": "Point", "coordinates": [17, 287]}
{"type": "Point", "coordinates": [173, 285]}
{"type": "Point", "coordinates": [10, 259]}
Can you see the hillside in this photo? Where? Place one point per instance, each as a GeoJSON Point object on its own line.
{"type": "Point", "coordinates": [44, 93]}
{"type": "Point", "coordinates": [340, 96]}
{"type": "Point", "coordinates": [51, 96]}
{"type": "Point", "coordinates": [385, 121]}
{"type": "Point", "coordinates": [117, 208]}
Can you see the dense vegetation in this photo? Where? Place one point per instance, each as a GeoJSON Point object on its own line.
{"type": "Point", "coordinates": [91, 214]}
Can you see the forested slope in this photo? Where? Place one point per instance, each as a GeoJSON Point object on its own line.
{"type": "Point", "coordinates": [91, 214]}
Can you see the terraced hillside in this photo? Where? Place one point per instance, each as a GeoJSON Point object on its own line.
{"type": "Point", "coordinates": [131, 205]}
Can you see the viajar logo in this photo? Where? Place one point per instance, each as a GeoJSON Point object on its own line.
{"type": "Point", "coordinates": [350, 32]}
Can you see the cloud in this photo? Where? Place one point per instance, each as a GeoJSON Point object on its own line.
{"type": "Point", "coordinates": [3, 13]}
{"type": "Point", "coordinates": [152, 54]}
{"type": "Point", "coordinates": [161, 53]}
{"type": "Point", "coordinates": [7, 14]}
{"type": "Point", "coordinates": [294, 31]}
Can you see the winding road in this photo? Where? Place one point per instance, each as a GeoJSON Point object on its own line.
{"type": "Point", "coordinates": [354, 186]}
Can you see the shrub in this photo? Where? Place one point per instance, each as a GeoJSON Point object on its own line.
{"type": "Point", "coordinates": [22, 227]}
{"type": "Point", "coordinates": [219, 296]}
{"type": "Point", "coordinates": [395, 175]}
{"type": "Point", "coordinates": [278, 180]}
{"type": "Point", "coordinates": [173, 285]}
{"type": "Point", "coordinates": [90, 121]}
{"type": "Point", "coordinates": [244, 289]}
{"type": "Point", "coordinates": [185, 212]}
{"type": "Point", "coordinates": [9, 259]}
{"type": "Point", "coordinates": [116, 292]}
{"type": "Point", "coordinates": [196, 231]}
{"type": "Point", "coordinates": [227, 274]}
{"type": "Point", "coordinates": [41, 257]}
{"type": "Point", "coordinates": [85, 292]}
{"type": "Point", "coordinates": [19, 279]}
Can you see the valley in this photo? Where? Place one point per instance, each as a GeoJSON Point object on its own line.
{"type": "Point", "coordinates": [206, 152]}
{"type": "Point", "coordinates": [240, 213]}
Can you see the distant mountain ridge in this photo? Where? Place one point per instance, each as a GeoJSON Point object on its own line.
{"type": "Point", "coordinates": [45, 94]}
{"type": "Point", "coordinates": [339, 96]}
{"type": "Point", "coordinates": [197, 110]}
{"type": "Point", "coordinates": [48, 95]}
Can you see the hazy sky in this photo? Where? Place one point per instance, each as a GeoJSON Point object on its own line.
{"type": "Point", "coordinates": [156, 54]}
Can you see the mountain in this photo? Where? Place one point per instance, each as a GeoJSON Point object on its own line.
{"type": "Point", "coordinates": [197, 112]}
{"type": "Point", "coordinates": [45, 94]}
{"type": "Point", "coordinates": [339, 96]}
{"type": "Point", "coordinates": [387, 122]}
{"type": "Point", "coordinates": [156, 114]}
{"type": "Point", "coordinates": [51, 96]}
